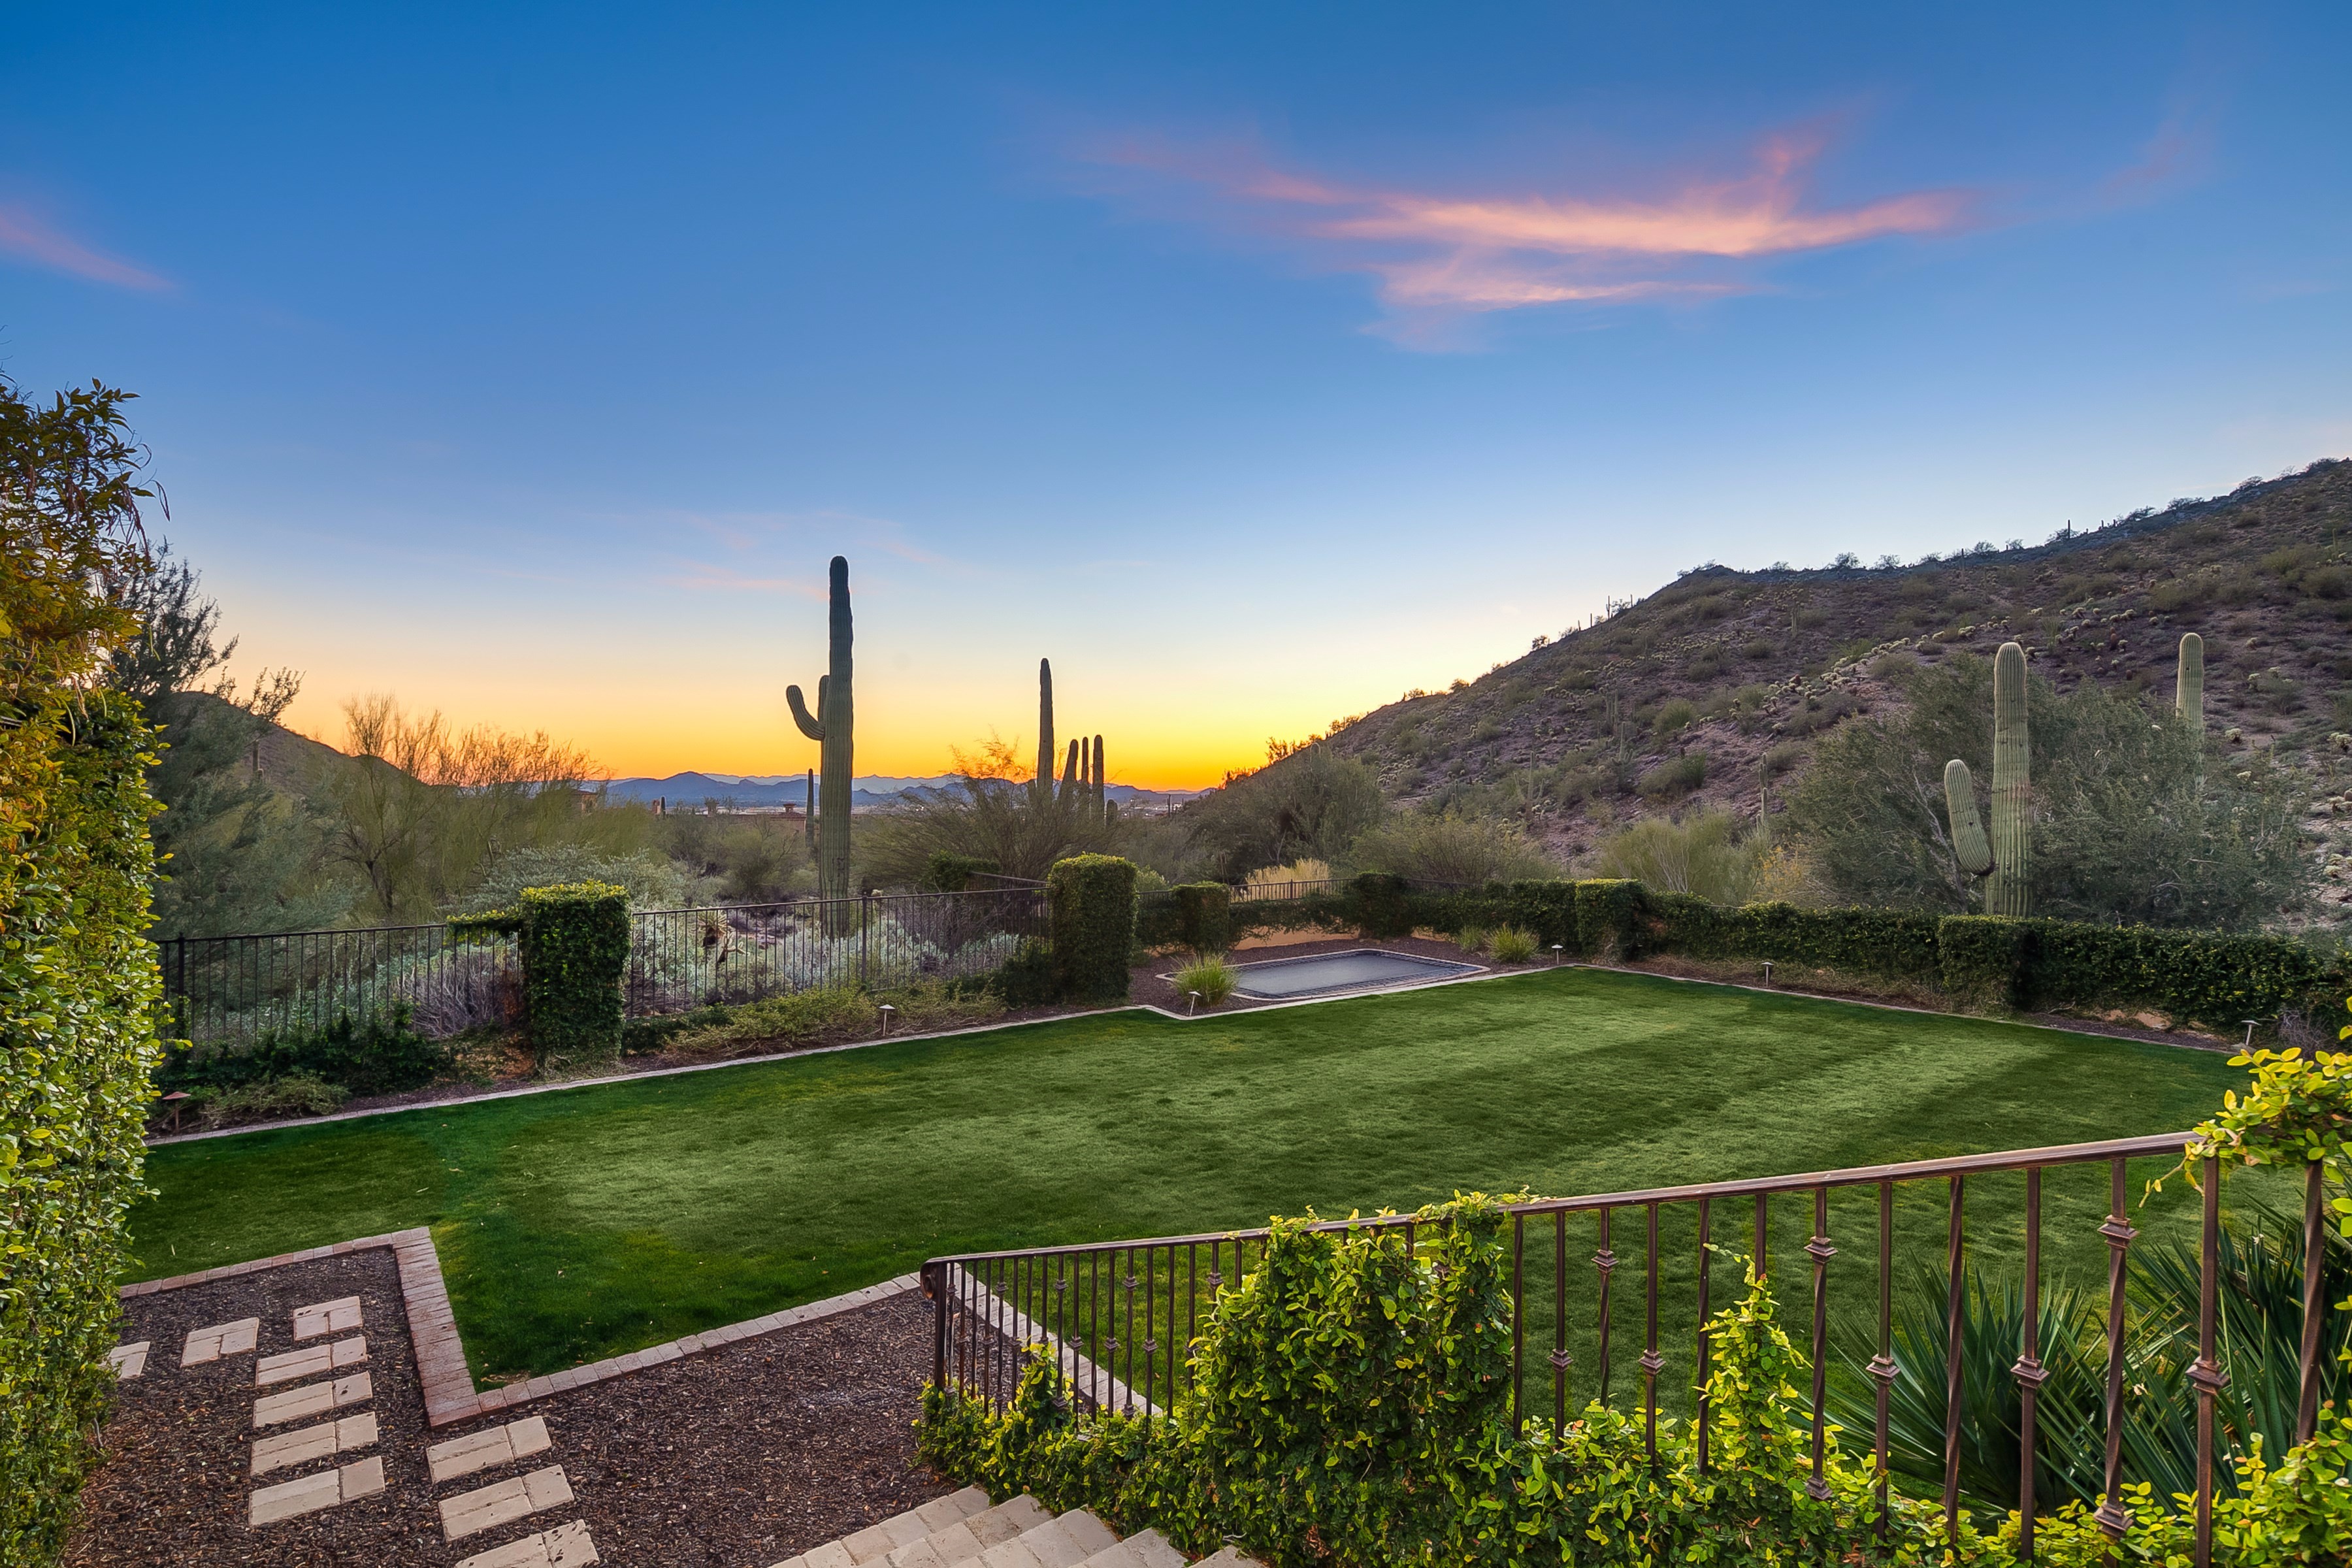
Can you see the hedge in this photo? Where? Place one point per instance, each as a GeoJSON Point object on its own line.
{"type": "Point", "coordinates": [1092, 903]}
{"type": "Point", "coordinates": [381, 1055]}
{"type": "Point", "coordinates": [80, 997]}
{"type": "Point", "coordinates": [575, 942]}
{"type": "Point", "coordinates": [1204, 916]}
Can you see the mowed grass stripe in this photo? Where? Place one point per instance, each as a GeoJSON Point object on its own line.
{"type": "Point", "coordinates": [583, 1223]}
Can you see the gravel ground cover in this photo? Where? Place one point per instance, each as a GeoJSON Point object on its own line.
{"type": "Point", "coordinates": [735, 1459]}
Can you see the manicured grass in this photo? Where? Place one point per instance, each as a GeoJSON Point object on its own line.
{"type": "Point", "coordinates": [578, 1224]}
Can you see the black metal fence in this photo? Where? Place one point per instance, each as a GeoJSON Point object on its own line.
{"type": "Point", "coordinates": [1121, 1317]}
{"type": "Point", "coordinates": [231, 991]}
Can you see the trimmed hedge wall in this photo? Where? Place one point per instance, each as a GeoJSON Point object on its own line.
{"type": "Point", "coordinates": [1980, 961]}
{"type": "Point", "coordinates": [80, 998]}
{"type": "Point", "coordinates": [1204, 916]}
{"type": "Point", "coordinates": [1092, 898]}
{"type": "Point", "coordinates": [574, 941]}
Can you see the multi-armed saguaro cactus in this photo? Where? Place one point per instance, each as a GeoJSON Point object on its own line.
{"type": "Point", "coordinates": [2189, 683]}
{"type": "Point", "coordinates": [1082, 762]}
{"type": "Point", "coordinates": [2006, 858]}
{"type": "Point", "coordinates": [833, 727]}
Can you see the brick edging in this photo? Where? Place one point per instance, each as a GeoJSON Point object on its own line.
{"type": "Point", "coordinates": [449, 1394]}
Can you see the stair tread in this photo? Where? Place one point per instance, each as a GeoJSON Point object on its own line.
{"type": "Point", "coordinates": [1144, 1549]}
{"type": "Point", "coordinates": [1063, 1542]}
{"type": "Point", "coordinates": [970, 1537]}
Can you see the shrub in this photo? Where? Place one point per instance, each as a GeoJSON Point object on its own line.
{"type": "Point", "coordinates": [1209, 976]}
{"type": "Point", "coordinates": [1675, 778]}
{"type": "Point", "coordinates": [574, 941]}
{"type": "Point", "coordinates": [949, 872]}
{"type": "Point", "coordinates": [1706, 853]}
{"type": "Point", "coordinates": [1028, 978]}
{"type": "Point", "coordinates": [1980, 958]}
{"type": "Point", "coordinates": [1284, 882]}
{"type": "Point", "coordinates": [1451, 849]}
{"type": "Point", "coordinates": [1608, 917]}
{"type": "Point", "coordinates": [1677, 714]}
{"type": "Point", "coordinates": [297, 1094]}
{"type": "Point", "coordinates": [1377, 902]}
{"type": "Point", "coordinates": [379, 1056]}
{"type": "Point", "coordinates": [1203, 916]}
{"type": "Point", "coordinates": [1471, 939]}
{"type": "Point", "coordinates": [1513, 945]}
{"type": "Point", "coordinates": [1093, 903]}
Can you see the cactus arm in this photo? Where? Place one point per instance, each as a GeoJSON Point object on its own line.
{"type": "Point", "coordinates": [802, 716]}
{"type": "Point", "coordinates": [1070, 775]}
{"type": "Point", "coordinates": [1094, 795]}
{"type": "Point", "coordinates": [1969, 845]}
{"type": "Point", "coordinates": [2189, 681]}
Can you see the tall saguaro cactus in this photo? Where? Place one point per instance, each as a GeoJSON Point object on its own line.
{"type": "Point", "coordinates": [832, 726]}
{"type": "Point", "coordinates": [2189, 681]}
{"type": "Point", "coordinates": [1042, 787]}
{"type": "Point", "coordinates": [1101, 797]}
{"type": "Point", "coordinates": [2010, 890]}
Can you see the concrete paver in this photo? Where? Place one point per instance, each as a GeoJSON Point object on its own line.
{"type": "Point", "coordinates": [502, 1503]}
{"type": "Point", "coordinates": [220, 1339]}
{"type": "Point", "coordinates": [315, 1399]}
{"type": "Point", "coordinates": [128, 1360]}
{"type": "Point", "coordinates": [482, 1450]}
{"type": "Point", "coordinates": [308, 1443]}
{"type": "Point", "coordinates": [311, 1493]}
{"type": "Point", "coordinates": [336, 1317]}
{"type": "Point", "coordinates": [565, 1546]}
{"type": "Point", "coordinates": [310, 1361]}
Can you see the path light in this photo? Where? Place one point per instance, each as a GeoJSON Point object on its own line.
{"type": "Point", "coordinates": [886, 1011]}
{"type": "Point", "coordinates": [1767, 971]}
{"type": "Point", "coordinates": [1195, 1006]}
{"type": "Point", "coordinates": [1555, 954]}
{"type": "Point", "coordinates": [173, 1100]}
{"type": "Point", "coordinates": [2250, 1023]}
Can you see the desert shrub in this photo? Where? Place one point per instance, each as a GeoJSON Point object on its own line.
{"type": "Point", "coordinates": [1092, 899]}
{"type": "Point", "coordinates": [1312, 803]}
{"type": "Point", "coordinates": [949, 872]}
{"type": "Point", "coordinates": [376, 1056]}
{"type": "Point", "coordinates": [1781, 756]}
{"type": "Point", "coordinates": [1209, 976]}
{"type": "Point", "coordinates": [1675, 715]}
{"type": "Point", "coordinates": [830, 1013]}
{"type": "Point", "coordinates": [1674, 778]}
{"type": "Point", "coordinates": [272, 1099]}
{"type": "Point", "coordinates": [1758, 647]}
{"type": "Point", "coordinates": [1451, 849]}
{"type": "Point", "coordinates": [1706, 853]}
{"type": "Point", "coordinates": [1511, 944]}
{"type": "Point", "coordinates": [1471, 939]}
{"type": "Point", "coordinates": [651, 880]}
{"type": "Point", "coordinates": [1284, 882]}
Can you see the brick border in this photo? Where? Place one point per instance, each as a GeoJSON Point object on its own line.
{"type": "Point", "coordinates": [449, 1393]}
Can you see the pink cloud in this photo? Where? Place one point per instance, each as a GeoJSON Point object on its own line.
{"type": "Point", "coordinates": [25, 234]}
{"type": "Point", "coordinates": [1439, 253]}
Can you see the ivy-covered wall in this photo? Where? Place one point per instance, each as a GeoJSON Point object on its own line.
{"type": "Point", "coordinates": [574, 939]}
{"type": "Point", "coordinates": [1092, 903]}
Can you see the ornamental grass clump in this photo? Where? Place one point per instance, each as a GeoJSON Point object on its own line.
{"type": "Point", "coordinates": [1512, 945]}
{"type": "Point", "coordinates": [1209, 976]}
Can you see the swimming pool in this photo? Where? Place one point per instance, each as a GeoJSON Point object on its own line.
{"type": "Point", "coordinates": [1329, 973]}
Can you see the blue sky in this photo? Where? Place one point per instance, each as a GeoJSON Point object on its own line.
{"type": "Point", "coordinates": [1251, 362]}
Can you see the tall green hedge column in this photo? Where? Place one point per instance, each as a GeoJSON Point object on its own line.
{"type": "Point", "coordinates": [574, 939]}
{"type": "Point", "coordinates": [1092, 902]}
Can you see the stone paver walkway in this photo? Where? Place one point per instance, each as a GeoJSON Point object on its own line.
{"type": "Point", "coordinates": [565, 1546]}
{"type": "Point", "coordinates": [220, 1339]}
{"type": "Point", "coordinates": [480, 1450]}
{"type": "Point", "coordinates": [336, 1316]}
{"type": "Point", "coordinates": [310, 1443]}
{"type": "Point", "coordinates": [311, 1361]}
{"type": "Point", "coordinates": [503, 1502]}
{"type": "Point", "coordinates": [310, 1493]}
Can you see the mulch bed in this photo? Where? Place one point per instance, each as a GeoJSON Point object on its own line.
{"type": "Point", "coordinates": [738, 1458]}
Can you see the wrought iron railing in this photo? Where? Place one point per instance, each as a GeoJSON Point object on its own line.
{"type": "Point", "coordinates": [230, 991]}
{"type": "Point", "coordinates": [1120, 1317]}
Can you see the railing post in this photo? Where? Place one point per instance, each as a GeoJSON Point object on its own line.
{"type": "Point", "coordinates": [2315, 1304]}
{"type": "Point", "coordinates": [1819, 1249]}
{"type": "Point", "coordinates": [2029, 1371]}
{"type": "Point", "coordinates": [1953, 1363]}
{"type": "Point", "coordinates": [933, 1278]}
{"type": "Point", "coordinates": [2113, 1516]}
{"type": "Point", "coordinates": [1883, 1369]}
{"type": "Point", "coordinates": [1706, 1345]}
{"type": "Point", "coordinates": [2205, 1372]}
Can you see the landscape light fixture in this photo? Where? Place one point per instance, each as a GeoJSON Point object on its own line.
{"type": "Point", "coordinates": [1555, 954]}
{"type": "Point", "coordinates": [886, 1011]}
{"type": "Point", "coordinates": [2250, 1023]}
{"type": "Point", "coordinates": [1194, 1005]}
{"type": "Point", "coordinates": [1767, 971]}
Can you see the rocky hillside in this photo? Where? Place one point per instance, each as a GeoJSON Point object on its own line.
{"type": "Point", "coordinates": [1713, 690]}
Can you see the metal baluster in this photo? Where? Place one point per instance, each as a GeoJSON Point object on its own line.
{"type": "Point", "coordinates": [2206, 1372]}
{"type": "Point", "coordinates": [1518, 1317]}
{"type": "Point", "coordinates": [938, 1283]}
{"type": "Point", "coordinates": [1953, 1362]}
{"type": "Point", "coordinates": [1605, 1261]}
{"type": "Point", "coordinates": [2030, 1372]}
{"type": "Point", "coordinates": [1882, 1370]}
{"type": "Point", "coordinates": [1128, 1281]}
{"type": "Point", "coordinates": [1191, 1301]}
{"type": "Point", "coordinates": [1650, 1360]}
{"type": "Point", "coordinates": [2113, 1516]}
{"type": "Point", "coordinates": [1150, 1344]}
{"type": "Point", "coordinates": [2315, 1304]}
{"type": "Point", "coordinates": [1760, 1237]}
{"type": "Point", "coordinates": [1560, 1356]}
{"type": "Point", "coordinates": [1705, 1346]}
{"type": "Point", "coordinates": [1819, 1249]}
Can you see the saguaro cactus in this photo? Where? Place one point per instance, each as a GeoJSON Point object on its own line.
{"type": "Point", "coordinates": [832, 726]}
{"type": "Point", "coordinates": [1042, 787]}
{"type": "Point", "coordinates": [1070, 775]}
{"type": "Point", "coordinates": [2188, 682]}
{"type": "Point", "coordinates": [2010, 890]}
{"type": "Point", "coordinates": [1101, 798]}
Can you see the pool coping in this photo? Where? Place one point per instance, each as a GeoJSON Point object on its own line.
{"type": "Point", "coordinates": [1257, 1006]}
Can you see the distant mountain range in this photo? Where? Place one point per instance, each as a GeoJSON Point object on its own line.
{"type": "Point", "coordinates": [692, 789]}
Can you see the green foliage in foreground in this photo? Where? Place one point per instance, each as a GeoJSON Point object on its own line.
{"type": "Point", "coordinates": [1352, 1405]}
{"type": "Point", "coordinates": [588, 1222]}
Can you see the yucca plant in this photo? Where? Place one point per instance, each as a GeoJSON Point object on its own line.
{"type": "Point", "coordinates": [1209, 975]}
{"type": "Point", "coordinates": [1512, 945]}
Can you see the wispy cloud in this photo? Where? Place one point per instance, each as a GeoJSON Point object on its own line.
{"type": "Point", "coordinates": [1448, 255]}
{"type": "Point", "coordinates": [26, 235]}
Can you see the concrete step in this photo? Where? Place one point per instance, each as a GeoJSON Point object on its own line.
{"type": "Point", "coordinates": [1144, 1549]}
{"type": "Point", "coordinates": [1230, 1557]}
{"type": "Point", "coordinates": [1076, 1537]}
{"type": "Point", "coordinates": [878, 1540]}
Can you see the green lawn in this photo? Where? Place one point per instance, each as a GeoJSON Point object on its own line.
{"type": "Point", "coordinates": [579, 1224]}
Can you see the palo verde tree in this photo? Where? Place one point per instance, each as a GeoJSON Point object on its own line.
{"type": "Point", "coordinates": [79, 987]}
